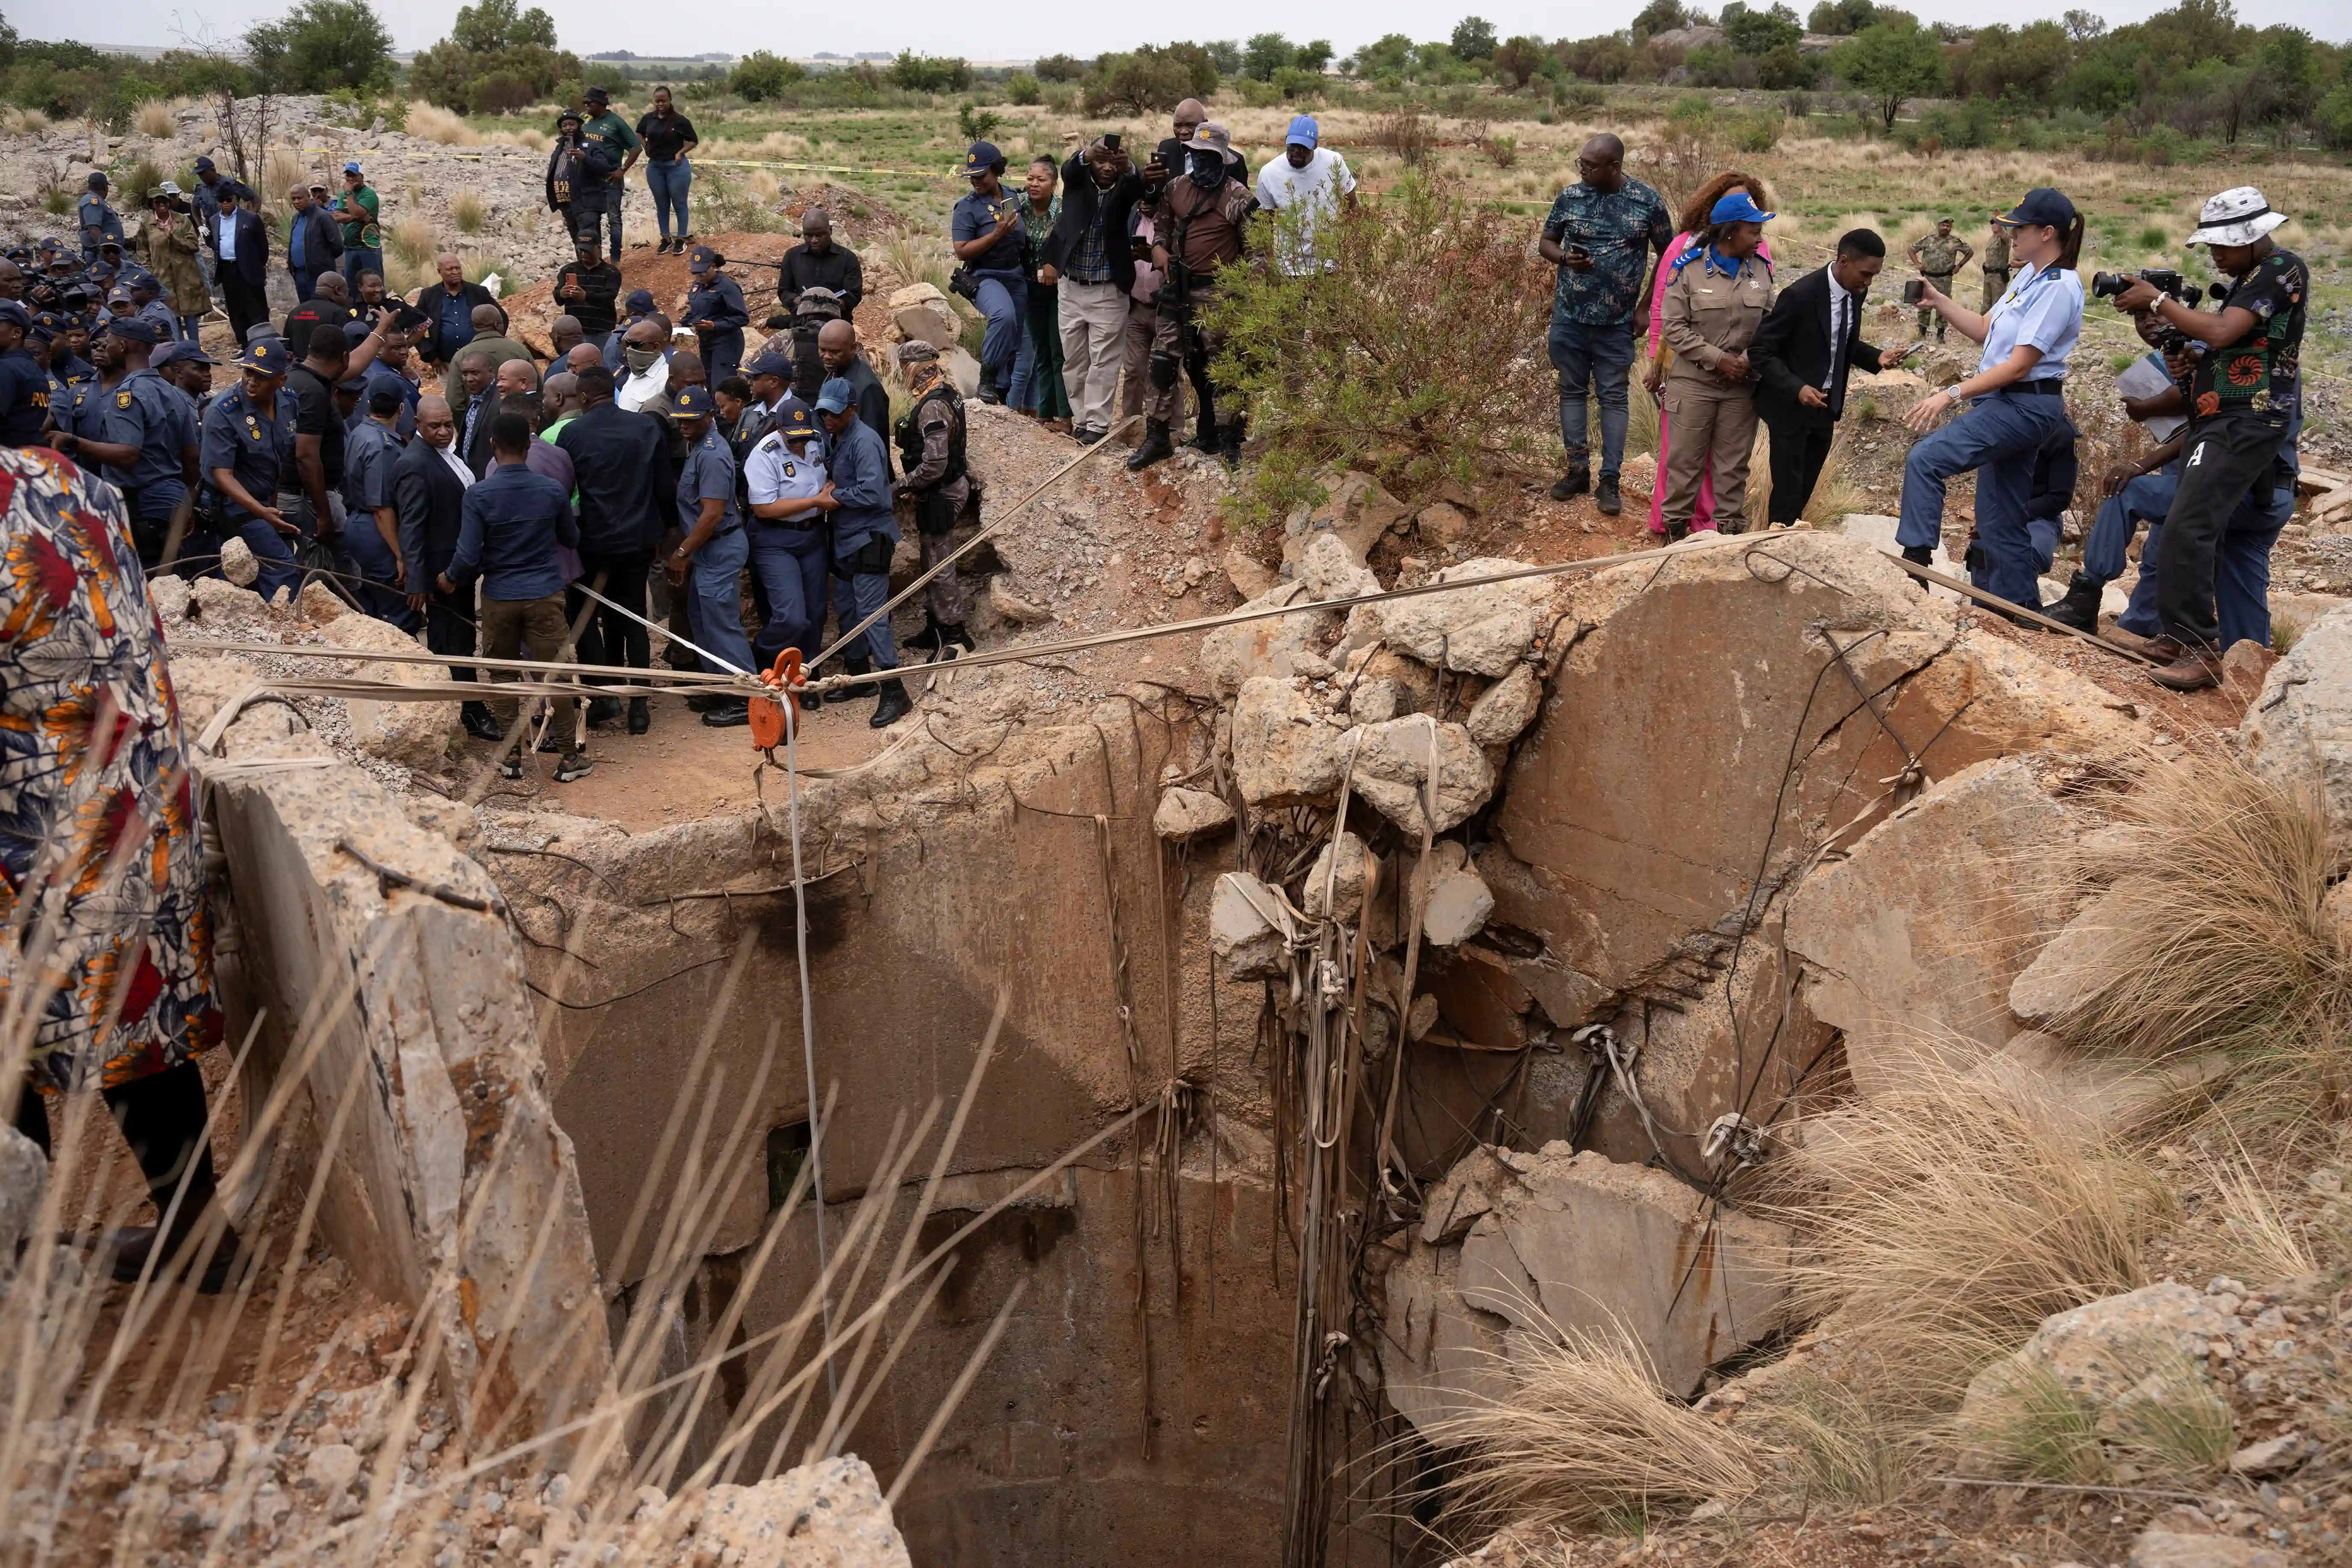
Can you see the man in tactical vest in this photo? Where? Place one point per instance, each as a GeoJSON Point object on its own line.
{"type": "Point", "coordinates": [931, 456]}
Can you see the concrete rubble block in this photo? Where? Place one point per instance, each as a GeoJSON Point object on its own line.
{"type": "Point", "coordinates": [1248, 574]}
{"type": "Point", "coordinates": [1247, 926]}
{"type": "Point", "coordinates": [2298, 733]}
{"type": "Point", "coordinates": [1012, 607]}
{"type": "Point", "coordinates": [2106, 1354]}
{"type": "Point", "coordinates": [921, 311]}
{"type": "Point", "coordinates": [2245, 667]}
{"type": "Point", "coordinates": [1636, 832]}
{"type": "Point", "coordinates": [1274, 646]}
{"type": "Point", "coordinates": [1581, 1242]}
{"type": "Point", "coordinates": [1486, 630]}
{"type": "Point", "coordinates": [1440, 1356]}
{"type": "Point", "coordinates": [1506, 708]}
{"type": "Point", "coordinates": [1190, 813]}
{"type": "Point", "coordinates": [961, 368]}
{"type": "Point", "coordinates": [2095, 1094]}
{"type": "Point", "coordinates": [1914, 937]}
{"type": "Point", "coordinates": [2069, 972]}
{"type": "Point", "coordinates": [202, 685]}
{"type": "Point", "coordinates": [317, 604]}
{"type": "Point", "coordinates": [829, 1514]}
{"type": "Point", "coordinates": [452, 1163]}
{"type": "Point", "coordinates": [415, 735]}
{"type": "Point", "coordinates": [209, 598]}
{"type": "Point", "coordinates": [237, 562]}
{"type": "Point", "coordinates": [169, 594]}
{"type": "Point", "coordinates": [2158, 1547]}
{"type": "Point", "coordinates": [1335, 883]}
{"type": "Point", "coordinates": [1455, 1200]}
{"type": "Point", "coordinates": [1354, 506]}
{"type": "Point", "coordinates": [1441, 524]}
{"type": "Point", "coordinates": [1459, 906]}
{"type": "Point", "coordinates": [1479, 999]}
{"type": "Point", "coordinates": [1332, 570]}
{"type": "Point", "coordinates": [1392, 768]}
{"type": "Point", "coordinates": [1285, 751]}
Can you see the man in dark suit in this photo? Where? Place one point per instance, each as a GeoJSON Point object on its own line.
{"type": "Point", "coordinates": [241, 243]}
{"type": "Point", "coordinates": [449, 308]}
{"type": "Point", "coordinates": [1808, 342]}
{"type": "Point", "coordinates": [627, 487]}
{"type": "Point", "coordinates": [428, 495]}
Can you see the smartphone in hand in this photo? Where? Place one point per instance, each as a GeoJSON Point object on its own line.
{"type": "Point", "coordinates": [1916, 292]}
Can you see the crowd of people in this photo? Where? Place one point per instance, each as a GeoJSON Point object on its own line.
{"type": "Point", "coordinates": [1729, 347]}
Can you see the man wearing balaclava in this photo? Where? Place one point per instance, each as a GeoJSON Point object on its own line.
{"type": "Point", "coordinates": [1199, 219]}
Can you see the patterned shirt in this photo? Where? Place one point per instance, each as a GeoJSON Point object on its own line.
{"type": "Point", "coordinates": [2261, 372]}
{"type": "Point", "coordinates": [1996, 252]}
{"type": "Point", "coordinates": [1038, 226]}
{"type": "Point", "coordinates": [1618, 229]}
{"type": "Point", "coordinates": [1941, 255]}
{"type": "Point", "coordinates": [100, 835]}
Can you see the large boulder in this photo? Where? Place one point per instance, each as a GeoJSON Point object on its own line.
{"type": "Point", "coordinates": [1485, 631]}
{"type": "Point", "coordinates": [1354, 507]}
{"type": "Point", "coordinates": [2298, 733]}
{"type": "Point", "coordinates": [416, 734]}
{"type": "Point", "coordinates": [1576, 1242]}
{"type": "Point", "coordinates": [1248, 924]}
{"type": "Point", "coordinates": [828, 1514]}
{"type": "Point", "coordinates": [1274, 645]}
{"type": "Point", "coordinates": [1286, 751]}
{"type": "Point", "coordinates": [1914, 939]}
{"type": "Point", "coordinates": [1392, 773]}
{"type": "Point", "coordinates": [921, 311]}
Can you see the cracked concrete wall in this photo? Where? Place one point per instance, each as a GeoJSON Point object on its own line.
{"type": "Point", "coordinates": [449, 1184]}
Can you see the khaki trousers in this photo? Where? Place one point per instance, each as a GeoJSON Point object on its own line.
{"type": "Point", "coordinates": [1713, 426]}
{"type": "Point", "coordinates": [1141, 321]}
{"type": "Point", "coordinates": [507, 626]}
{"type": "Point", "coordinates": [1094, 323]}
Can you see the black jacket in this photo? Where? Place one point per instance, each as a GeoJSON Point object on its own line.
{"type": "Point", "coordinates": [586, 177]}
{"type": "Point", "coordinates": [428, 299]}
{"type": "Point", "coordinates": [1080, 200]}
{"type": "Point", "coordinates": [322, 243]}
{"type": "Point", "coordinates": [1792, 349]}
{"type": "Point", "coordinates": [252, 261]}
{"type": "Point", "coordinates": [837, 269]}
{"type": "Point", "coordinates": [625, 476]}
{"type": "Point", "coordinates": [430, 501]}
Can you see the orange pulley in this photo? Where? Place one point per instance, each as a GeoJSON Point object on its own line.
{"type": "Point", "coordinates": [785, 679]}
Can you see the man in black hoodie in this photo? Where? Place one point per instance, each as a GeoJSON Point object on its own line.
{"type": "Point", "coordinates": [621, 465]}
{"type": "Point", "coordinates": [1088, 256]}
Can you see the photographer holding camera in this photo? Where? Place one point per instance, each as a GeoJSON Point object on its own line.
{"type": "Point", "coordinates": [2245, 394]}
{"type": "Point", "coordinates": [2017, 399]}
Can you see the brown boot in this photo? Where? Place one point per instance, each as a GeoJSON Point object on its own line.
{"type": "Point", "coordinates": [2195, 670]}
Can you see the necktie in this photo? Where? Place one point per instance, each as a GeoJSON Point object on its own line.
{"type": "Point", "coordinates": [1837, 350]}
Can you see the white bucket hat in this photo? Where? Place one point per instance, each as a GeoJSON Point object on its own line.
{"type": "Point", "coordinates": [2237, 216]}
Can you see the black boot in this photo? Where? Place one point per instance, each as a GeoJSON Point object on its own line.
{"type": "Point", "coordinates": [1574, 482]}
{"type": "Point", "coordinates": [929, 637]}
{"type": "Point", "coordinates": [480, 722]}
{"type": "Point", "coordinates": [1156, 447]}
{"type": "Point", "coordinates": [641, 717]}
{"type": "Point", "coordinates": [602, 711]}
{"type": "Point", "coordinates": [1229, 446]}
{"type": "Point", "coordinates": [728, 711]}
{"type": "Point", "coordinates": [954, 638]}
{"type": "Point", "coordinates": [1919, 554]}
{"type": "Point", "coordinates": [1205, 431]}
{"type": "Point", "coordinates": [857, 664]}
{"type": "Point", "coordinates": [1606, 497]}
{"type": "Point", "coordinates": [2080, 607]}
{"type": "Point", "coordinates": [894, 704]}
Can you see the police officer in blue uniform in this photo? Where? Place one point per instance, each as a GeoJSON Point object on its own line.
{"type": "Point", "coordinates": [372, 529]}
{"type": "Point", "coordinates": [146, 299]}
{"type": "Point", "coordinates": [248, 452]}
{"type": "Point", "coordinates": [186, 373]}
{"type": "Point", "coordinates": [23, 386]}
{"type": "Point", "coordinates": [865, 536]}
{"type": "Point", "coordinates": [67, 330]}
{"type": "Point", "coordinates": [146, 438]}
{"type": "Point", "coordinates": [99, 222]}
{"type": "Point", "coordinates": [84, 411]}
{"type": "Point", "coordinates": [790, 543]}
{"type": "Point", "coordinates": [715, 310]}
{"type": "Point", "coordinates": [714, 549]}
{"type": "Point", "coordinates": [102, 275]}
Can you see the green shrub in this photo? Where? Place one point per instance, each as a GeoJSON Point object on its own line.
{"type": "Point", "coordinates": [1022, 89]}
{"type": "Point", "coordinates": [762, 77]}
{"type": "Point", "coordinates": [975, 123]}
{"type": "Point", "coordinates": [928, 73]}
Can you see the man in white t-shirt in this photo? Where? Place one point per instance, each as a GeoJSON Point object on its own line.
{"type": "Point", "coordinates": [1306, 177]}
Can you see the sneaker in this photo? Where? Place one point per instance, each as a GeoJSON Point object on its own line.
{"type": "Point", "coordinates": [510, 765]}
{"type": "Point", "coordinates": [1606, 497]}
{"type": "Point", "coordinates": [2195, 670]}
{"type": "Point", "coordinates": [480, 722]}
{"type": "Point", "coordinates": [1574, 482]}
{"type": "Point", "coordinates": [574, 765]}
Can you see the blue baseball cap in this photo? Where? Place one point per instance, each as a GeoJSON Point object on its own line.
{"type": "Point", "coordinates": [1737, 207]}
{"type": "Point", "coordinates": [119, 295]}
{"type": "Point", "coordinates": [266, 355]}
{"type": "Point", "coordinates": [982, 157]}
{"type": "Point", "coordinates": [352, 167]}
{"type": "Point", "coordinates": [795, 422]}
{"type": "Point", "coordinates": [693, 403]}
{"type": "Point", "coordinates": [768, 362]}
{"type": "Point", "coordinates": [179, 352]}
{"type": "Point", "coordinates": [1303, 132]}
{"type": "Point", "coordinates": [12, 312]}
{"type": "Point", "coordinates": [97, 180]}
{"type": "Point", "coordinates": [640, 302]}
{"type": "Point", "coordinates": [138, 328]}
{"type": "Point", "coordinates": [835, 396]}
{"type": "Point", "coordinates": [701, 260]}
{"type": "Point", "coordinates": [207, 166]}
{"type": "Point", "coordinates": [2042, 206]}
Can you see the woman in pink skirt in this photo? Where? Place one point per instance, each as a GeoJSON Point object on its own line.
{"type": "Point", "coordinates": [1693, 219]}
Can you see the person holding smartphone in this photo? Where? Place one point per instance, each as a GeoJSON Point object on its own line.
{"type": "Point", "coordinates": [2015, 402]}
{"type": "Point", "coordinates": [1600, 233]}
{"type": "Point", "coordinates": [985, 230]}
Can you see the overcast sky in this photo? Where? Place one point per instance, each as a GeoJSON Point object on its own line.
{"type": "Point", "coordinates": [983, 31]}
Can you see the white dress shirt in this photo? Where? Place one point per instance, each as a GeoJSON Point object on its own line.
{"type": "Point", "coordinates": [1841, 305]}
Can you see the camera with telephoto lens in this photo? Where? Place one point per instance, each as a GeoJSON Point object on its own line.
{"type": "Point", "coordinates": [2169, 339]}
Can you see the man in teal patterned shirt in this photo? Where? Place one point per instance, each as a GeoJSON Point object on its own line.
{"type": "Point", "coordinates": [1599, 234]}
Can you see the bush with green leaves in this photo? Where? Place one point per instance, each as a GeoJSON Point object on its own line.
{"type": "Point", "coordinates": [1409, 356]}
{"type": "Point", "coordinates": [974, 123]}
{"type": "Point", "coordinates": [929, 73]}
{"type": "Point", "coordinates": [493, 38]}
{"type": "Point", "coordinates": [1149, 80]}
{"type": "Point", "coordinates": [319, 46]}
{"type": "Point", "coordinates": [760, 77]}
{"type": "Point", "coordinates": [1894, 62]}
{"type": "Point", "coordinates": [1022, 87]}
{"type": "Point", "coordinates": [1060, 67]}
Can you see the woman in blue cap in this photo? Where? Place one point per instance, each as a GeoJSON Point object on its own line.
{"type": "Point", "coordinates": [990, 245]}
{"type": "Point", "coordinates": [1717, 297]}
{"type": "Point", "coordinates": [2016, 402]}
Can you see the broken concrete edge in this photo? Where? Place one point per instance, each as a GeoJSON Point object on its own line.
{"type": "Point", "coordinates": [449, 1187]}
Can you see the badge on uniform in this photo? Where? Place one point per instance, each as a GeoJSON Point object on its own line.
{"type": "Point", "coordinates": [122, 400]}
{"type": "Point", "coordinates": [790, 472]}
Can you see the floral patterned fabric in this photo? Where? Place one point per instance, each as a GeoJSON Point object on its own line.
{"type": "Point", "coordinates": [101, 859]}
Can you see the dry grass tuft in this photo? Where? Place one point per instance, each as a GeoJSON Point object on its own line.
{"type": "Point", "coordinates": [2262, 1242]}
{"type": "Point", "coordinates": [1845, 1439]}
{"type": "Point", "coordinates": [433, 123]}
{"type": "Point", "coordinates": [915, 258]}
{"type": "Point", "coordinates": [1585, 1435]}
{"type": "Point", "coordinates": [281, 173]}
{"type": "Point", "coordinates": [24, 121]}
{"type": "Point", "coordinates": [2217, 937]}
{"type": "Point", "coordinates": [2172, 1425]}
{"type": "Point", "coordinates": [157, 118]}
{"type": "Point", "coordinates": [1945, 1221]}
{"type": "Point", "coordinates": [467, 211]}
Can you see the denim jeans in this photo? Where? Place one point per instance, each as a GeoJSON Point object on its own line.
{"type": "Point", "coordinates": [377, 595]}
{"type": "Point", "coordinates": [2227, 456]}
{"type": "Point", "coordinates": [188, 325]}
{"type": "Point", "coordinates": [1592, 358]}
{"type": "Point", "coordinates": [2143, 499]}
{"type": "Point", "coordinates": [1003, 298]}
{"type": "Point", "coordinates": [794, 567]}
{"type": "Point", "coordinates": [2242, 575]}
{"type": "Point", "coordinates": [616, 190]}
{"type": "Point", "coordinates": [1038, 368]}
{"type": "Point", "coordinates": [359, 259]}
{"type": "Point", "coordinates": [1998, 437]}
{"type": "Point", "coordinates": [714, 579]}
{"type": "Point", "coordinates": [670, 184]}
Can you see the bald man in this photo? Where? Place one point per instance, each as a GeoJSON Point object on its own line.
{"type": "Point", "coordinates": [490, 338]}
{"type": "Point", "coordinates": [1599, 234]}
{"type": "Point", "coordinates": [428, 497]}
{"type": "Point", "coordinates": [818, 261]}
{"type": "Point", "coordinates": [836, 346]}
